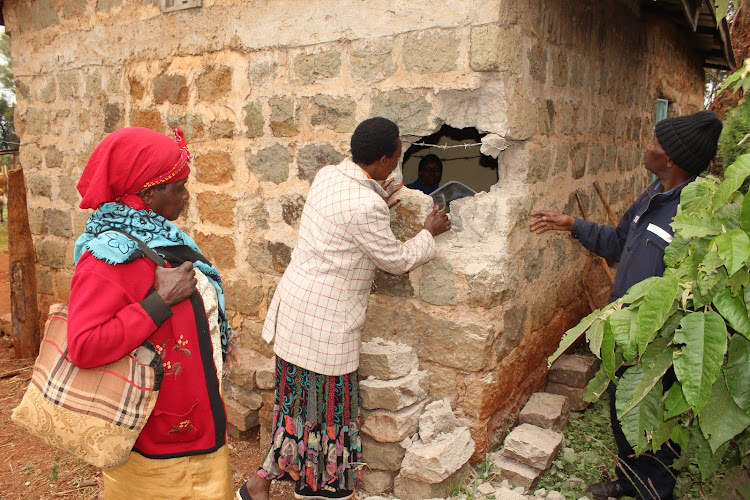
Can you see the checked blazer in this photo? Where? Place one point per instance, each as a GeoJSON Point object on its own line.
{"type": "Point", "coordinates": [318, 310]}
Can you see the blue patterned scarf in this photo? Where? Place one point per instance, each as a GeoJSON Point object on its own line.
{"type": "Point", "coordinates": [155, 231]}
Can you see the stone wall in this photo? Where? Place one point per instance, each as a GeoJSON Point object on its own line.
{"type": "Point", "coordinates": [267, 93]}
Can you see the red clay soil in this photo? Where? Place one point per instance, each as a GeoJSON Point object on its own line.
{"type": "Point", "coordinates": [31, 469]}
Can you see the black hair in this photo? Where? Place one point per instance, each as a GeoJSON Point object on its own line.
{"type": "Point", "coordinates": [430, 158]}
{"type": "Point", "coordinates": [373, 139]}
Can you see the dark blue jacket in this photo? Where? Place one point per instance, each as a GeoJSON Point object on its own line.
{"type": "Point", "coordinates": [638, 241]}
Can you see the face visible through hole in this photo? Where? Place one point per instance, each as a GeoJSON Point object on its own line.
{"type": "Point", "coordinates": [431, 173]}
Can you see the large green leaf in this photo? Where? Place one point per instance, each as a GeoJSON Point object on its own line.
{"type": "Point", "coordinates": [677, 251]}
{"type": "Point", "coordinates": [738, 280]}
{"type": "Point", "coordinates": [671, 323]}
{"type": "Point", "coordinates": [737, 372]}
{"type": "Point", "coordinates": [734, 249]}
{"type": "Point", "coordinates": [709, 284]}
{"type": "Point", "coordinates": [734, 311]}
{"type": "Point", "coordinates": [675, 403]}
{"type": "Point", "coordinates": [696, 225]}
{"type": "Point", "coordinates": [573, 334]}
{"type": "Point", "coordinates": [721, 419]}
{"type": "Point", "coordinates": [638, 290]}
{"type": "Point", "coordinates": [639, 423]}
{"type": "Point", "coordinates": [734, 176]}
{"type": "Point", "coordinates": [594, 337]}
{"type": "Point", "coordinates": [681, 436]}
{"type": "Point", "coordinates": [653, 310]}
{"type": "Point", "coordinates": [663, 432]}
{"type": "Point", "coordinates": [696, 196]}
{"type": "Point", "coordinates": [623, 323]}
{"type": "Point", "coordinates": [596, 386]}
{"type": "Point", "coordinates": [656, 361]}
{"type": "Point", "coordinates": [611, 360]}
{"type": "Point", "coordinates": [745, 214]}
{"type": "Point", "coordinates": [698, 363]}
{"type": "Point", "coordinates": [708, 460]}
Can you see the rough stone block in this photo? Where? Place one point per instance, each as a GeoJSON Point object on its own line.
{"type": "Point", "coordinates": [217, 208]}
{"type": "Point", "coordinates": [372, 60]}
{"type": "Point", "coordinates": [382, 456]}
{"type": "Point", "coordinates": [244, 375]}
{"type": "Point", "coordinates": [249, 399]}
{"type": "Point", "coordinates": [394, 394]}
{"type": "Point", "coordinates": [436, 461]}
{"type": "Point", "coordinates": [375, 482]}
{"type": "Point", "coordinates": [516, 473]}
{"type": "Point", "coordinates": [494, 48]}
{"type": "Point", "coordinates": [214, 167]}
{"type": "Point", "coordinates": [438, 283]}
{"type": "Point", "coordinates": [172, 88]}
{"type": "Point", "coordinates": [238, 434]}
{"type": "Point", "coordinates": [545, 410]}
{"type": "Point", "coordinates": [265, 375]}
{"type": "Point", "coordinates": [574, 395]}
{"type": "Point", "coordinates": [334, 113]}
{"type": "Point", "coordinates": [311, 67]}
{"type": "Point", "coordinates": [242, 418]}
{"type": "Point", "coordinates": [270, 164]}
{"type": "Point", "coordinates": [431, 51]}
{"type": "Point", "coordinates": [410, 111]}
{"type": "Point", "coordinates": [215, 84]}
{"type": "Point", "coordinates": [573, 370]}
{"type": "Point", "coordinates": [392, 426]}
{"type": "Point", "coordinates": [386, 360]}
{"type": "Point", "coordinates": [409, 489]}
{"type": "Point", "coordinates": [461, 342]}
{"type": "Point", "coordinates": [533, 446]}
{"type": "Point", "coordinates": [390, 284]}
{"type": "Point", "coordinates": [254, 120]}
{"type": "Point", "coordinates": [313, 157]}
{"type": "Point", "coordinates": [284, 119]}
{"type": "Point", "coordinates": [437, 419]}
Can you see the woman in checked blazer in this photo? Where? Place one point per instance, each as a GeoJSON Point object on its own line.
{"type": "Point", "coordinates": [318, 310]}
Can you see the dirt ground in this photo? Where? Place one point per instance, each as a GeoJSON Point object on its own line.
{"type": "Point", "coordinates": [31, 469]}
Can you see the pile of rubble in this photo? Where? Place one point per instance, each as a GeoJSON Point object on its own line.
{"type": "Point", "coordinates": [410, 447]}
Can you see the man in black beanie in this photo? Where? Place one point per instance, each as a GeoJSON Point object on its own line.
{"type": "Point", "coordinates": [681, 149]}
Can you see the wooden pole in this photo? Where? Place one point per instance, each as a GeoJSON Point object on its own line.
{"type": "Point", "coordinates": [23, 299]}
{"type": "Point", "coordinates": [607, 208]}
{"type": "Point", "coordinates": [601, 259]}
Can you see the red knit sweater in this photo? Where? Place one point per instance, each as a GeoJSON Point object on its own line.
{"type": "Point", "coordinates": [112, 310]}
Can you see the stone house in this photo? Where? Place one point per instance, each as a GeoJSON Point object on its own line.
{"type": "Point", "coordinates": [268, 92]}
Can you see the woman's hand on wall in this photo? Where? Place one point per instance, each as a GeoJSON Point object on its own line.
{"type": "Point", "coordinates": [437, 222]}
{"type": "Point", "coordinates": [176, 284]}
{"type": "Point", "coordinates": [390, 189]}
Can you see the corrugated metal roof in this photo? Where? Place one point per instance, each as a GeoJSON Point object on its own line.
{"type": "Point", "coordinates": [699, 18]}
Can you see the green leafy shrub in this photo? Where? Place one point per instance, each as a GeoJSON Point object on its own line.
{"type": "Point", "coordinates": [693, 319]}
{"type": "Point", "coordinates": [734, 140]}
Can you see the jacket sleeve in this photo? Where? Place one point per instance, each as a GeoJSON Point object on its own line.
{"type": "Point", "coordinates": [371, 230]}
{"type": "Point", "coordinates": [105, 321]}
{"type": "Point", "coordinates": [605, 241]}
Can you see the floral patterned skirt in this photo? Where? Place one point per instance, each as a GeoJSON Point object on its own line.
{"type": "Point", "coordinates": [315, 439]}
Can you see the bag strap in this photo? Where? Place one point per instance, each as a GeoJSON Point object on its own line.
{"type": "Point", "coordinates": [147, 252]}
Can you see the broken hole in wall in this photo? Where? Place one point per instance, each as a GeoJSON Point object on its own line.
{"type": "Point", "coordinates": [459, 151]}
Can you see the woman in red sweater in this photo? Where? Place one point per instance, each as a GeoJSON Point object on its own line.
{"type": "Point", "coordinates": [135, 179]}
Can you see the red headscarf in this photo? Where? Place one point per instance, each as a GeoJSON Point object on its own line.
{"type": "Point", "coordinates": [131, 159]}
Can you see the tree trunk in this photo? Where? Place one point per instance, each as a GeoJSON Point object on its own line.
{"type": "Point", "coordinates": [23, 300]}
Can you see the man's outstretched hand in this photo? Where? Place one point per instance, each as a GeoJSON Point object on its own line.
{"type": "Point", "coordinates": [550, 221]}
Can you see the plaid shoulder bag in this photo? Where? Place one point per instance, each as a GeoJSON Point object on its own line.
{"type": "Point", "coordinates": [96, 414]}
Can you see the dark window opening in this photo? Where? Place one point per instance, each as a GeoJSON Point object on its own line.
{"type": "Point", "coordinates": [464, 166]}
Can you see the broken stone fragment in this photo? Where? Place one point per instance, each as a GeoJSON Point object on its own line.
{"type": "Point", "coordinates": [533, 446]}
{"type": "Point", "coordinates": [438, 418]}
{"type": "Point", "coordinates": [408, 489]}
{"type": "Point", "coordinates": [394, 394]}
{"type": "Point", "coordinates": [546, 410]}
{"type": "Point", "coordinates": [434, 462]}
{"type": "Point", "coordinates": [382, 456]}
{"type": "Point", "coordinates": [573, 370]}
{"type": "Point", "coordinates": [392, 426]}
{"type": "Point", "coordinates": [386, 360]}
{"type": "Point", "coordinates": [515, 473]}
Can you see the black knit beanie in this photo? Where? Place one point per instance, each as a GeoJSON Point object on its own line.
{"type": "Point", "coordinates": [690, 141]}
